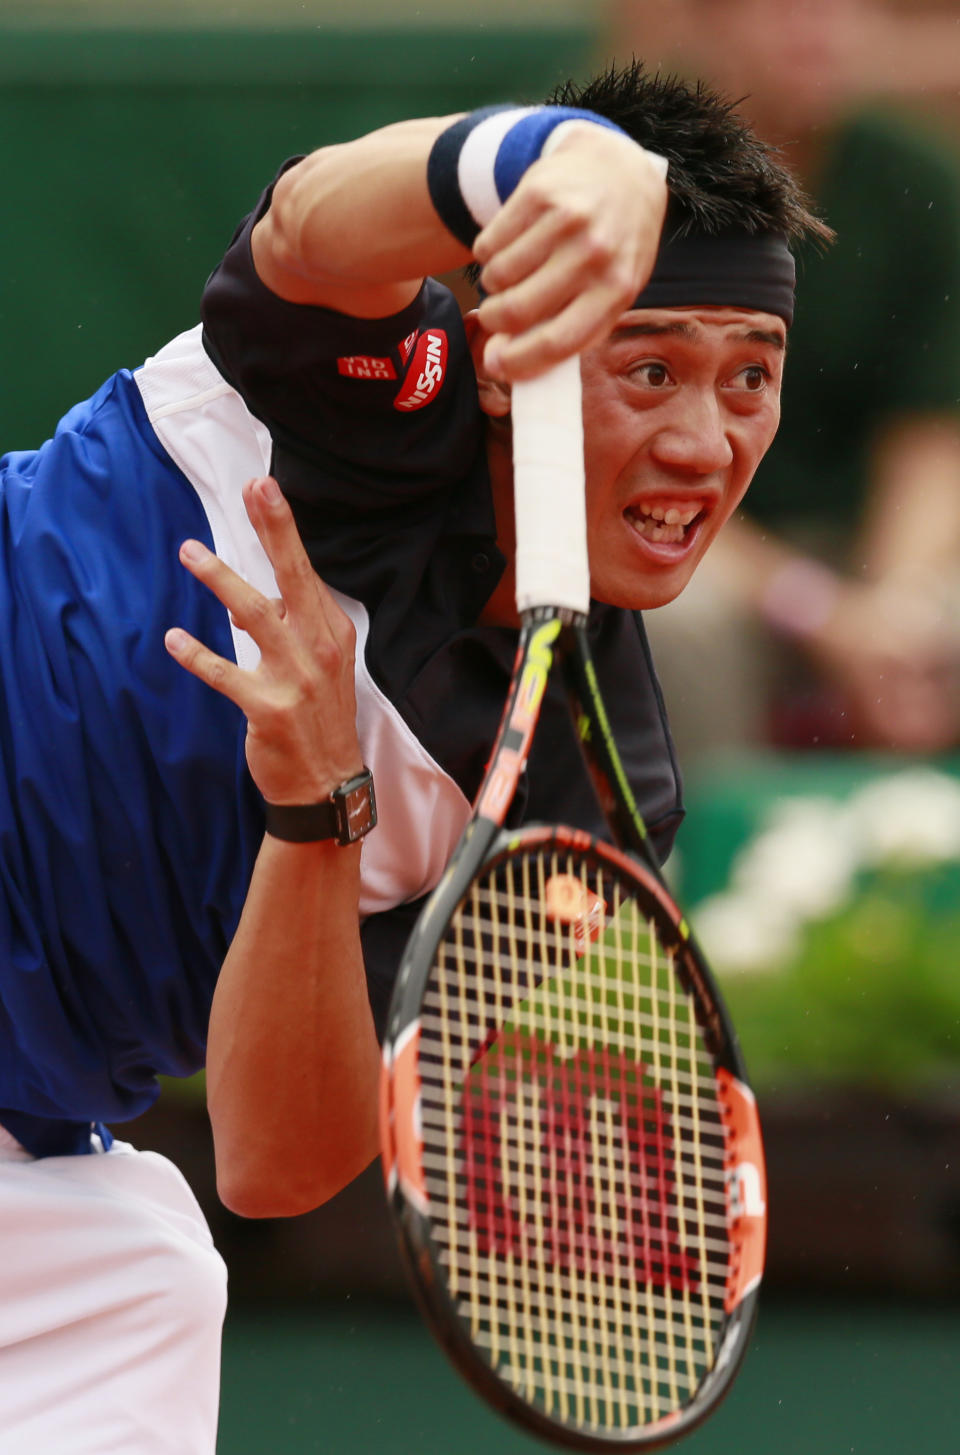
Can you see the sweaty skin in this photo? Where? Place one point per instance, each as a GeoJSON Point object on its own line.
{"type": "Point", "coordinates": [680, 406]}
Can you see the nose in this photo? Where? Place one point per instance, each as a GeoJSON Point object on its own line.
{"type": "Point", "coordinates": [692, 439]}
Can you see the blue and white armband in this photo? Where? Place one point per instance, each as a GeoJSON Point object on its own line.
{"type": "Point", "coordinates": [477, 162]}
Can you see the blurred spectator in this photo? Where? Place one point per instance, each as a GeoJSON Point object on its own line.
{"type": "Point", "coordinates": [850, 549]}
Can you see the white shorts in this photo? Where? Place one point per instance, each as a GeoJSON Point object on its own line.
{"type": "Point", "coordinates": [112, 1298]}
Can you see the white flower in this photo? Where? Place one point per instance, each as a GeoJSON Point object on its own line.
{"type": "Point", "coordinates": [912, 817]}
{"type": "Point", "coordinates": [804, 860]}
{"type": "Point", "coordinates": [741, 932]}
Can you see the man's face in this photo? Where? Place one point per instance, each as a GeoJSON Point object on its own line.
{"type": "Point", "coordinates": [680, 406]}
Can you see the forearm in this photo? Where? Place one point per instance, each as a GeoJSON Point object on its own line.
{"type": "Point", "coordinates": [353, 225]}
{"type": "Point", "coordinates": [884, 635]}
{"type": "Point", "coordinates": [292, 1058]}
{"type": "Point", "coordinates": [750, 558]}
{"type": "Point", "coordinates": [794, 594]}
{"type": "Point", "coordinates": [910, 535]}
{"type": "Point", "coordinates": [913, 522]}
{"type": "Point", "coordinates": [354, 228]}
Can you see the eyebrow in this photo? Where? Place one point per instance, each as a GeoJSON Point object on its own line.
{"type": "Point", "coordinates": [688, 331]}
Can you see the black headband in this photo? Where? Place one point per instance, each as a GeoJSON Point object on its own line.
{"type": "Point", "coordinates": [730, 270]}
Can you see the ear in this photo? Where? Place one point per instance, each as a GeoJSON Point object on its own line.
{"type": "Point", "coordinates": [494, 395]}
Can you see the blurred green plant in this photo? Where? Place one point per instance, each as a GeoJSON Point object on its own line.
{"type": "Point", "coordinates": [837, 939]}
{"type": "Point", "coordinates": [871, 996]}
{"type": "Point", "coordinates": [185, 1090]}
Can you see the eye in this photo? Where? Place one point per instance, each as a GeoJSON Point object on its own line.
{"type": "Point", "coordinates": [651, 373]}
{"type": "Point", "coordinates": [753, 379]}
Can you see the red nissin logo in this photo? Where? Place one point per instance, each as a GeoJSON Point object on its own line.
{"type": "Point", "coordinates": [361, 366]}
{"type": "Point", "coordinates": [426, 371]}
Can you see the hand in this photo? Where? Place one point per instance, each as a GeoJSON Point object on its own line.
{"type": "Point", "coordinates": [300, 701]}
{"type": "Point", "coordinates": [895, 653]}
{"type": "Point", "coordinates": [569, 250]}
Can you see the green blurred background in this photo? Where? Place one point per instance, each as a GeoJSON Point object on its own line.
{"type": "Point", "coordinates": [130, 154]}
{"type": "Point", "coordinates": [134, 138]}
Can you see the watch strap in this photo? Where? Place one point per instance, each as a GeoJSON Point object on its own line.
{"type": "Point", "coordinates": [346, 816]}
{"type": "Point", "coordinates": [301, 823]}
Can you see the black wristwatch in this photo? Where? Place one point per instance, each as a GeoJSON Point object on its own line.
{"type": "Point", "coordinates": [348, 814]}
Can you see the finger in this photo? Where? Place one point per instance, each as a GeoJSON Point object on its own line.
{"type": "Point", "coordinates": [520, 211]}
{"type": "Point", "coordinates": [249, 609]}
{"type": "Point", "coordinates": [534, 247]}
{"type": "Point", "coordinates": [512, 357]}
{"type": "Point", "coordinates": [601, 279]}
{"type": "Point", "coordinates": [224, 677]}
{"type": "Point", "coordinates": [307, 600]}
{"type": "Point", "coordinates": [272, 519]}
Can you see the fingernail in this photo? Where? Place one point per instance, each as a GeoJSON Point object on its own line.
{"type": "Point", "coordinates": [175, 639]}
{"type": "Point", "coordinates": [492, 359]}
{"type": "Point", "coordinates": [270, 491]}
{"type": "Point", "coordinates": [192, 551]}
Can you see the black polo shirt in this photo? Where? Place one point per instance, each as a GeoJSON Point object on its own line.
{"type": "Point", "coordinates": [378, 444]}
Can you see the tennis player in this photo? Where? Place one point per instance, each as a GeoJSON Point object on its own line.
{"type": "Point", "coordinates": [189, 875]}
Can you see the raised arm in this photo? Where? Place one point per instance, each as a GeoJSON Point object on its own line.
{"type": "Point", "coordinates": [351, 227]}
{"type": "Point", "coordinates": [292, 1057]}
{"type": "Point", "coordinates": [887, 636]}
{"type": "Point", "coordinates": [355, 228]}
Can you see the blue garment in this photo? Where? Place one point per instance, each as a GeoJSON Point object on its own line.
{"type": "Point", "coordinates": [129, 824]}
{"type": "Point", "coordinates": [122, 878]}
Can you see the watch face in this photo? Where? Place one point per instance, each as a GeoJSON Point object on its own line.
{"type": "Point", "coordinates": [357, 809]}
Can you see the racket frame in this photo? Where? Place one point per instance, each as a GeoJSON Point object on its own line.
{"type": "Point", "coordinates": [547, 636]}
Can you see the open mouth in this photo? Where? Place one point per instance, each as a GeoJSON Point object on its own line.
{"type": "Point", "coordinates": [663, 524]}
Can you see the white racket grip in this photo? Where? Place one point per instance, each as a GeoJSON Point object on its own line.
{"type": "Point", "coordinates": [552, 567]}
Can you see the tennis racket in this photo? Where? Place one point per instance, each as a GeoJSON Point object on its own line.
{"type": "Point", "coordinates": [571, 1150]}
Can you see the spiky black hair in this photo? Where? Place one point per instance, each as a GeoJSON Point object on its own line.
{"type": "Point", "coordinates": [722, 176]}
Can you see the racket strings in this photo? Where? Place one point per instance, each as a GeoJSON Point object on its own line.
{"type": "Point", "coordinates": [584, 1225]}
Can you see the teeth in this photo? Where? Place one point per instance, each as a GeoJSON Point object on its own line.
{"type": "Point", "coordinates": [653, 530]}
{"type": "Point", "coordinates": [662, 523]}
{"type": "Point", "coordinates": [674, 515]}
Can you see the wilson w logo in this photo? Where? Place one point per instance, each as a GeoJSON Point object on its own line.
{"type": "Point", "coordinates": [569, 1163]}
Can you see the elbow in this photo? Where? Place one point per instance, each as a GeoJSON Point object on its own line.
{"type": "Point", "coordinates": [273, 1187]}
{"type": "Point", "coordinates": [295, 245]}
{"type": "Point", "coordinates": [252, 1199]}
